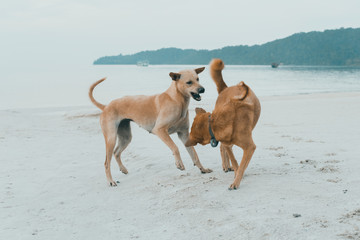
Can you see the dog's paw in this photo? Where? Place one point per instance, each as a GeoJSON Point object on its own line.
{"type": "Point", "coordinates": [180, 166]}
{"type": "Point", "coordinates": [230, 169]}
{"type": "Point", "coordinates": [233, 187]}
{"type": "Point", "coordinates": [206, 170]}
{"type": "Point", "coordinates": [112, 184]}
{"type": "Point", "coordinates": [124, 170]}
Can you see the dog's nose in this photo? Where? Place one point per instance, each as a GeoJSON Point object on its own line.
{"type": "Point", "coordinates": [201, 90]}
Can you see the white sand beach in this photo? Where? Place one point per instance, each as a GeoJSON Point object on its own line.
{"type": "Point", "coordinates": [302, 183]}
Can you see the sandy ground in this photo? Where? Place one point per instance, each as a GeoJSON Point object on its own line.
{"type": "Point", "coordinates": [302, 183]}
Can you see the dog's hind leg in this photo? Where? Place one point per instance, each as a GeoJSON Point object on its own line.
{"type": "Point", "coordinates": [249, 150]}
{"type": "Point", "coordinates": [124, 138]}
{"type": "Point", "coordinates": [184, 136]}
{"type": "Point", "coordinates": [110, 144]}
{"type": "Point", "coordinates": [109, 131]}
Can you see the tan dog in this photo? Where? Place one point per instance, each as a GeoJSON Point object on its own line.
{"type": "Point", "coordinates": [161, 114]}
{"type": "Point", "coordinates": [236, 113]}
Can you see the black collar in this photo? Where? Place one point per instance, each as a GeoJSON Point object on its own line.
{"type": "Point", "coordinates": [213, 140]}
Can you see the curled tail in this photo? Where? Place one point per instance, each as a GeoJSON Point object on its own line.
{"type": "Point", "coordinates": [99, 105]}
{"type": "Point", "coordinates": [216, 66]}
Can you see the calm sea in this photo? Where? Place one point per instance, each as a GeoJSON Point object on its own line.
{"type": "Point", "coordinates": [57, 86]}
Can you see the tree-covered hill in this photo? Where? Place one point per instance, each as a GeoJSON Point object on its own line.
{"type": "Point", "coordinates": [331, 47]}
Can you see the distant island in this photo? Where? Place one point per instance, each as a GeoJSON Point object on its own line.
{"type": "Point", "coordinates": [340, 47]}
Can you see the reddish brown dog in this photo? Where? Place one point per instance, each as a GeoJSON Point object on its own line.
{"type": "Point", "coordinates": [236, 113]}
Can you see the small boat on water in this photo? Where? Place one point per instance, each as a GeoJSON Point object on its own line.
{"type": "Point", "coordinates": [275, 65]}
{"type": "Point", "coordinates": [144, 63]}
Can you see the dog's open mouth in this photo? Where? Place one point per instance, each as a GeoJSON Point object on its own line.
{"type": "Point", "coordinates": [196, 96]}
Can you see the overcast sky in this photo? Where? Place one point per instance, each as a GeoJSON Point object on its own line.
{"type": "Point", "coordinates": [80, 31]}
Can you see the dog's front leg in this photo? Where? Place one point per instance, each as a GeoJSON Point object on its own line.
{"type": "Point", "coordinates": [163, 134]}
{"type": "Point", "coordinates": [184, 136]}
{"type": "Point", "coordinates": [229, 154]}
{"type": "Point", "coordinates": [225, 159]}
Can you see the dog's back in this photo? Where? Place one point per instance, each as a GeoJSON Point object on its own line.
{"type": "Point", "coordinates": [243, 100]}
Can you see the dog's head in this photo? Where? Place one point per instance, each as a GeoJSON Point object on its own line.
{"type": "Point", "coordinates": [200, 129]}
{"type": "Point", "coordinates": [187, 82]}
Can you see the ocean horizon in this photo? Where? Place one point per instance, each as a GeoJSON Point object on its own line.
{"type": "Point", "coordinates": [68, 85]}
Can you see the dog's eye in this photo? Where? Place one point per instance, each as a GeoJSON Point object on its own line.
{"type": "Point", "coordinates": [189, 82]}
{"type": "Point", "coordinates": [197, 79]}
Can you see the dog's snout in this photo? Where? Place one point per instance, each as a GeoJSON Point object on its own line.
{"type": "Point", "coordinates": [201, 90]}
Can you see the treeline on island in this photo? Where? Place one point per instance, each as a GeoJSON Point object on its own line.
{"type": "Point", "coordinates": [340, 47]}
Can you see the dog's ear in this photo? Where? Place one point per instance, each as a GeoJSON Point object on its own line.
{"type": "Point", "coordinates": [243, 91]}
{"type": "Point", "coordinates": [175, 76]}
{"type": "Point", "coordinates": [199, 70]}
{"type": "Point", "coordinates": [199, 110]}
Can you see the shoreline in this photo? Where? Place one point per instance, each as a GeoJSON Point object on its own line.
{"type": "Point", "coordinates": [262, 98]}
